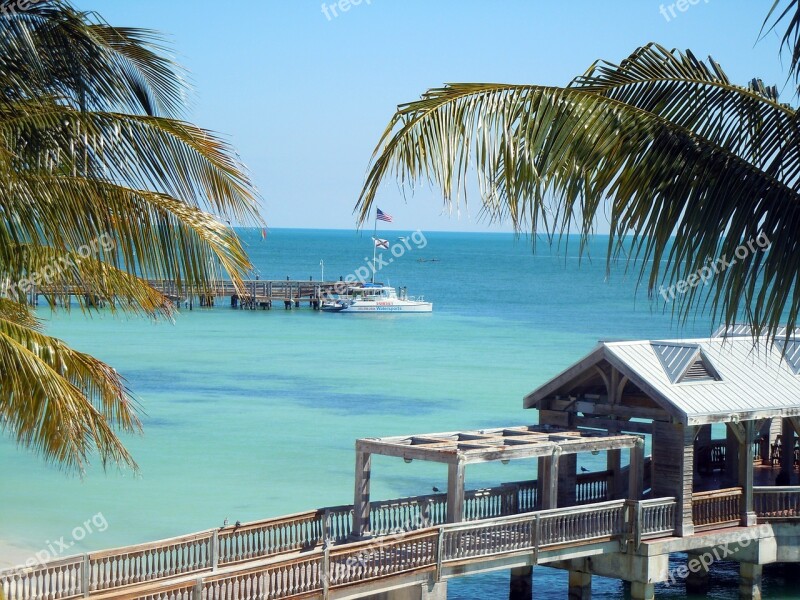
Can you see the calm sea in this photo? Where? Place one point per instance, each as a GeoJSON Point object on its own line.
{"type": "Point", "coordinates": [250, 414]}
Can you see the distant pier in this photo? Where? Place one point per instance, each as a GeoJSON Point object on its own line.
{"type": "Point", "coordinates": [256, 294]}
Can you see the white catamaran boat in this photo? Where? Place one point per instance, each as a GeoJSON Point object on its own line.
{"type": "Point", "coordinates": [376, 298]}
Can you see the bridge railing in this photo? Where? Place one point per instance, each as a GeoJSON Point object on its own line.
{"type": "Point", "coordinates": [320, 568]}
{"type": "Point", "coordinates": [776, 503]}
{"type": "Point", "coordinates": [208, 550]}
{"type": "Point", "coordinates": [657, 517]}
{"type": "Point", "coordinates": [716, 508]}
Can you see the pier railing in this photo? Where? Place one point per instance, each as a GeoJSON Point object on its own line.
{"type": "Point", "coordinates": [418, 552]}
{"type": "Point", "coordinates": [776, 503]}
{"type": "Point", "coordinates": [216, 548]}
{"type": "Point", "coordinates": [716, 508]}
{"type": "Point", "coordinates": [286, 557]}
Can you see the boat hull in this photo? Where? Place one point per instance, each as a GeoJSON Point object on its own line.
{"type": "Point", "coordinates": [372, 308]}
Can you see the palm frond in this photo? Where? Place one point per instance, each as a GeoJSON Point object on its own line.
{"type": "Point", "coordinates": [791, 38]}
{"type": "Point", "coordinates": [52, 49]}
{"type": "Point", "coordinates": [101, 187]}
{"type": "Point", "coordinates": [150, 235]}
{"type": "Point", "coordinates": [163, 155]}
{"type": "Point", "coordinates": [664, 138]}
{"type": "Point", "coordinates": [60, 403]}
{"type": "Point", "coordinates": [87, 278]}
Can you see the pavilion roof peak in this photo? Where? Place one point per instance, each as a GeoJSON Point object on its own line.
{"type": "Point", "coordinates": [684, 362]}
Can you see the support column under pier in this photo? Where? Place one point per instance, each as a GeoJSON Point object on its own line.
{"type": "Point", "coordinates": [697, 579]}
{"type": "Point", "coordinates": [521, 585]}
{"type": "Point", "coordinates": [580, 586]}
{"type": "Point", "coordinates": [750, 581]}
{"type": "Point", "coordinates": [642, 591]}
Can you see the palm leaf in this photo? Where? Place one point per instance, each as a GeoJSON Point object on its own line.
{"type": "Point", "coordinates": [52, 49]}
{"type": "Point", "coordinates": [791, 38]}
{"type": "Point", "coordinates": [91, 149]}
{"type": "Point", "coordinates": [666, 141]}
{"type": "Point", "coordinates": [61, 403]}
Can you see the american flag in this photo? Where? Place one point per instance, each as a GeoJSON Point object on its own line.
{"type": "Point", "coordinates": [382, 216]}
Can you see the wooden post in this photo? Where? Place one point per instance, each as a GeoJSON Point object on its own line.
{"type": "Point", "coordinates": [567, 479]}
{"type": "Point", "coordinates": [764, 445]}
{"type": "Point", "coordinates": [548, 479]}
{"type": "Point", "coordinates": [673, 469]}
{"type": "Point", "coordinates": [731, 456]}
{"type": "Point", "coordinates": [86, 576]}
{"type": "Point", "coordinates": [614, 477]}
{"type": "Point", "coordinates": [746, 474]}
{"type": "Point", "coordinates": [702, 449]}
{"type": "Point", "coordinates": [361, 497]}
{"type": "Point", "coordinates": [787, 450]}
{"type": "Point", "coordinates": [636, 472]}
{"type": "Point", "coordinates": [215, 550]}
{"type": "Point", "coordinates": [455, 492]}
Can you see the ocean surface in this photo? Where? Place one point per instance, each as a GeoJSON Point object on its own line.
{"type": "Point", "coordinates": [251, 414]}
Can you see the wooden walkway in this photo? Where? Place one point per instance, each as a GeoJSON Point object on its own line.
{"type": "Point", "coordinates": [311, 554]}
{"type": "Point", "coordinates": [257, 294]}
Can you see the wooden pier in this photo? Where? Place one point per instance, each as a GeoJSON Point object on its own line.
{"type": "Point", "coordinates": [412, 551]}
{"type": "Point", "coordinates": [256, 293]}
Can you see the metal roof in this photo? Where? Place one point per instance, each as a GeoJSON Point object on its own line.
{"type": "Point", "coordinates": [754, 381]}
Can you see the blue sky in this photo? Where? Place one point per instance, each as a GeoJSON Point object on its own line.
{"type": "Point", "coordinates": [304, 97]}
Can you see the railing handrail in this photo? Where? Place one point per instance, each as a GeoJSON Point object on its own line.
{"type": "Point", "coordinates": [772, 489]}
{"type": "Point", "coordinates": [230, 529]}
{"type": "Point", "coordinates": [385, 540]}
{"type": "Point", "coordinates": [165, 543]}
{"type": "Point", "coordinates": [723, 493]}
{"type": "Point", "coordinates": [540, 514]}
{"type": "Point", "coordinates": [655, 501]}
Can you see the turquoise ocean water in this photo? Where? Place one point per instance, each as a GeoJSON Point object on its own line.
{"type": "Point", "coordinates": [250, 414]}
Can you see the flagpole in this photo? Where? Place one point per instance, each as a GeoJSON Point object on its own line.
{"type": "Point", "coordinates": [374, 244]}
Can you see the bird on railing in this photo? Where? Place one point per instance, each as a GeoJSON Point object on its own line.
{"type": "Point", "coordinates": [584, 470]}
{"type": "Point", "coordinates": [237, 525]}
{"type": "Point", "coordinates": [435, 490]}
{"type": "Point", "coordinates": [224, 523]}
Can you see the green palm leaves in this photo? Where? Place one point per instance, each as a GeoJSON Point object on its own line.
{"type": "Point", "coordinates": [101, 187]}
{"type": "Point", "coordinates": [663, 142]}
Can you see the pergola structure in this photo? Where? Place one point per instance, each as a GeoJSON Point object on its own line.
{"type": "Point", "coordinates": [461, 448]}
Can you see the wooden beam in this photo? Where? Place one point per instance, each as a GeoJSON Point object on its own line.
{"type": "Point", "coordinates": [408, 451]}
{"type": "Point", "coordinates": [361, 496]}
{"type": "Point", "coordinates": [616, 425]}
{"type": "Point", "coordinates": [455, 492]}
{"type": "Point", "coordinates": [606, 410]}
